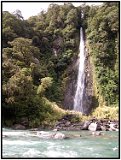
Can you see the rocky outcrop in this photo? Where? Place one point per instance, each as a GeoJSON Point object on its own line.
{"type": "Point", "coordinates": [89, 99]}
{"type": "Point", "coordinates": [67, 123]}
{"type": "Point", "coordinates": [48, 135]}
{"type": "Point", "coordinates": [70, 85]}
{"type": "Point", "coordinates": [88, 96]}
{"type": "Point", "coordinates": [57, 45]}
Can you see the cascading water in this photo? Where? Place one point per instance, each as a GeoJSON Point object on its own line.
{"type": "Point", "coordinates": [78, 99]}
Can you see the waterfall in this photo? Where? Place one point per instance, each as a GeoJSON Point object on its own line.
{"type": "Point", "coordinates": [78, 99]}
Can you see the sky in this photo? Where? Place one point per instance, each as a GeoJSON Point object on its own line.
{"type": "Point", "coordinates": [29, 9]}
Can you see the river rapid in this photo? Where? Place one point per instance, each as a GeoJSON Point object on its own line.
{"type": "Point", "coordinates": [21, 144]}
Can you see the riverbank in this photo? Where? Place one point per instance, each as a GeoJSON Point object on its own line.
{"type": "Point", "coordinates": [66, 119]}
{"type": "Point", "coordinates": [66, 123]}
{"type": "Point", "coordinates": [101, 119]}
{"type": "Point", "coordinates": [71, 122]}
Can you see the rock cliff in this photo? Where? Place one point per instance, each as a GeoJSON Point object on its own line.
{"type": "Point", "coordinates": [88, 97]}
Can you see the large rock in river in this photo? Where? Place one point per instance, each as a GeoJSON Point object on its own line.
{"type": "Point", "coordinates": [59, 136]}
{"type": "Point", "coordinates": [48, 135]}
{"type": "Point", "coordinates": [92, 127]}
{"type": "Point", "coordinates": [18, 126]}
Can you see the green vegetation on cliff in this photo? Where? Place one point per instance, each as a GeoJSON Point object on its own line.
{"type": "Point", "coordinates": [36, 54]}
{"type": "Point", "coordinates": [103, 40]}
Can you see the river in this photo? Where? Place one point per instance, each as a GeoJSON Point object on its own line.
{"type": "Point", "coordinates": [21, 144]}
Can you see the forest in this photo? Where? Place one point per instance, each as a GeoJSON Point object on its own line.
{"type": "Point", "coordinates": [38, 52]}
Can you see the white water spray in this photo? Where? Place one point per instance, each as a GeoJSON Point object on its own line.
{"type": "Point", "coordinates": [78, 99]}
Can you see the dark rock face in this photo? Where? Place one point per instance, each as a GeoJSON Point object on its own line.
{"type": "Point", "coordinates": [88, 96]}
{"type": "Point", "coordinates": [57, 45]}
{"type": "Point", "coordinates": [70, 85]}
{"type": "Point", "coordinates": [88, 90]}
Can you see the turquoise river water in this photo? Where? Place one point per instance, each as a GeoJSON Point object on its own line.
{"type": "Point", "coordinates": [21, 144]}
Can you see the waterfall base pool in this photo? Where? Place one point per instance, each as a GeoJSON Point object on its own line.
{"type": "Point", "coordinates": [20, 144]}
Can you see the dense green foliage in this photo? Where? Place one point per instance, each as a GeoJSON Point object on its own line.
{"type": "Point", "coordinates": [37, 52]}
{"type": "Point", "coordinates": [103, 39]}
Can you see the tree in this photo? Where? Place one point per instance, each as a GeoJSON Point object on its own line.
{"type": "Point", "coordinates": [103, 40]}
{"type": "Point", "coordinates": [18, 14]}
{"type": "Point", "coordinates": [23, 47]}
{"type": "Point", "coordinates": [13, 27]}
{"type": "Point", "coordinates": [72, 17]}
{"type": "Point", "coordinates": [45, 83]}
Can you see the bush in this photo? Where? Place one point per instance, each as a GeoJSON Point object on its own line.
{"type": "Point", "coordinates": [106, 112]}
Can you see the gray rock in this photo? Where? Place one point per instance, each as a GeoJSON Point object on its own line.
{"type": "Point", "coordinates": [19, 126]}
{"type": "Point", "coordinates": [92, 127]}
{"type": "Point", "coordinates": [89, 99]}
{"type": "Point", "coordinates": [34, 129]}
{"type": "Point", "coordinates": [96, 133]}
{"type": "Point", "coordinates": [112, 127]}
{"type": "Point", "coordinates": [59, 136]}
{"type": "Point", "coordinates": [67, 123]}
{"type": "Point", "coordinates": [103, 128]}
{"type": "Point", "coordinates": [47, 135]}
{"type": "Point", "coordinates": [85, 125]}
{"type": "Point", "coordinates": [55, 130]}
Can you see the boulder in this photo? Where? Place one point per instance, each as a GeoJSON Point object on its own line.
{"type": "Point", "coordinates": [92, 127]}
{"type": "Point", "coordinates": [59, 136]}
{"type": "Point", "coordinates": [55, 130]}
{"type": "Point", "coordinates": [85, 125]}
{"type": "Point", "coordinates": [67, 123]}
{"type": "Point", "coordinates": [24, 121]}
{"type": "Point", "coordinates": [112, 127]}
{"type": "Point", "coordinates": [96, 133]}
{"type": "Point", "coordinates": [47, 135]}
{"type": "Point", "coordinates": [19, 126]}
{"type": "Point", "coordinates": [103, 128]}
{"type": "Point", "coordinates": [34, 129]}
